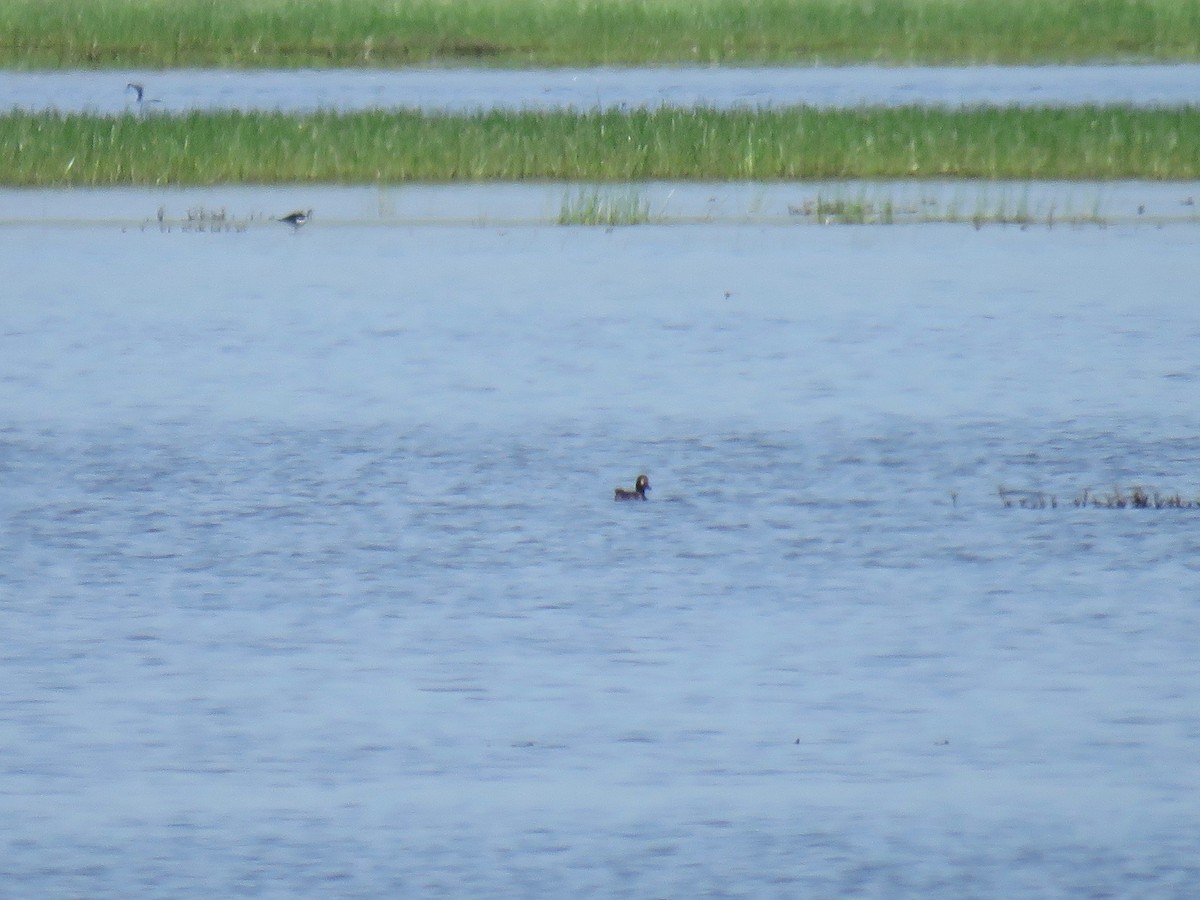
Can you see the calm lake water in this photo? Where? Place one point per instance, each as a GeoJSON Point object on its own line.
{"type": "Point", "coordinates": [312, 582]}
{"type": "Point", "coordinates": [468, 89]}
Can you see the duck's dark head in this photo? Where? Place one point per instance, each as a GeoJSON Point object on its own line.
{"type": "Point", "coordinates": [642, 484]}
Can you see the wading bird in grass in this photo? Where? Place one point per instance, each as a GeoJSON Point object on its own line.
{"type": "Point", "coordinates": [297, 218]}
{"type": "Point", "coordinates": [638, 493]}
{"type": "Point", "coordinates": [139, 91]}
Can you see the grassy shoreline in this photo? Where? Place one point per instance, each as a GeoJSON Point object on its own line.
{"type": "Point", "coordinates": [325, 33]}
{"type": "Point", "coordinates": [1075, 143]}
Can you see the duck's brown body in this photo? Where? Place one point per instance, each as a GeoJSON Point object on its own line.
{"type": "Point", "coordinates": [639, 490]}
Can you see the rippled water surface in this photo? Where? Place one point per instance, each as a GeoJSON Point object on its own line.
{"type": "Point", "coordinates": [467, 89]}
{"type": "Point", "coordinates": [312, 582]}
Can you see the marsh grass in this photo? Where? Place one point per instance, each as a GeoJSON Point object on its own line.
{"type": "Point", "coordinates": [1082, 143]}
{"type": "Point", "coordinates": [201, 219]}
{"type": "Point", "coordinates": [858, 210]}
{"type": "Point", "coordinates": [287, 33]}
{"type": "Point", "coordinates": [595, 206]}
{"type": "Point", "coordinates": [1137, 496]}
{"type": "Point", "coordinates": [864, 205]}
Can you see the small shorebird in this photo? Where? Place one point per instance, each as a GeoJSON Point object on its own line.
{"type": "Point", "coordinates": [298, 218]}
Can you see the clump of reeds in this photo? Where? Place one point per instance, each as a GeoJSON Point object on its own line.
{"type": "Point", "coordinates": [1137, 497]}
{"type": "Point", "coordinates": [596, 207]}
{"type": "Point", "coordinates": [203, 220]}
{"type": "Point", "coordinates": [860, 210]}
{"type": "Point", "coordinates": [288, 33]}
{"type": "Point", "coordinates": [794, 143]}
{"type": "Point", "coordinates": [842, 211]}
{"type": "Point", "coordinates": [197, 218]}
{"type": "Point", "coordinates": [1027, 499]}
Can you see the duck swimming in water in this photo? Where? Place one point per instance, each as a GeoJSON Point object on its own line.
{"type": "Point", "coordinates": [638, 493]}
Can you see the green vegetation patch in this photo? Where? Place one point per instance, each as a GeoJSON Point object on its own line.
{"type": "Point", "coordinates": [595, 207]}
{"type": "Point", "coordinates": [1090, 142]}
{"type": "Point", "coordinates": [291, 33]}
{"type": "Point", "coordinates": [856, 206]}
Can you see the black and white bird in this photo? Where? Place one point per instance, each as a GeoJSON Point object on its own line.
{"type": "Point", "coordinates": [297, 218]}
{"type": "Point", "coordinates": [139, 95]}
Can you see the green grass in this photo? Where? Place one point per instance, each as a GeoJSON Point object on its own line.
{"type": "Point", "coordinates": [1084, 143]}
{"type": "Point", "coordinates": [856, 211]}
{"type": "Point", "coordinates": [287, 33]}
{"type": "Point", "coordinates": [594, 206]}
{"type": "Point", "coordinates": [857, 205]}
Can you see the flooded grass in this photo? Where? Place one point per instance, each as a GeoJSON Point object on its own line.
{"type": "Point", "coordinates": [287, 33]}
{"type": "Point", "coordinates": [858, 210]}
{"type": "Point", "coordinates": [1137, 496]}
{"type": "Point", "coordinates": [593, 206]}
{"type": "Point", "coordinates": [1077, 143]}
{"type": "Point", "coordinates": [855, 206]}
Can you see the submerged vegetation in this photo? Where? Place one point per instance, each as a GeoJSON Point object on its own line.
{"type": "Point", "coordinates": [289, 33]}
{"type": "Point", "coordinates": [1083, 143]}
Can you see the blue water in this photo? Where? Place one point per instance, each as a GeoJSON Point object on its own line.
{"type": "Point", "coordinates": [177, 91]}
{"type": "Point", "coordinates": [226, 208]}
{"type": "Point", "coordinates": [312, 583]}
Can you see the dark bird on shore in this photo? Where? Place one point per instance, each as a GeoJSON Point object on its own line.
{"type": "Point", "coordinates": [638, 493]}
{"type": "Point", "coordinates": [297, 218]}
